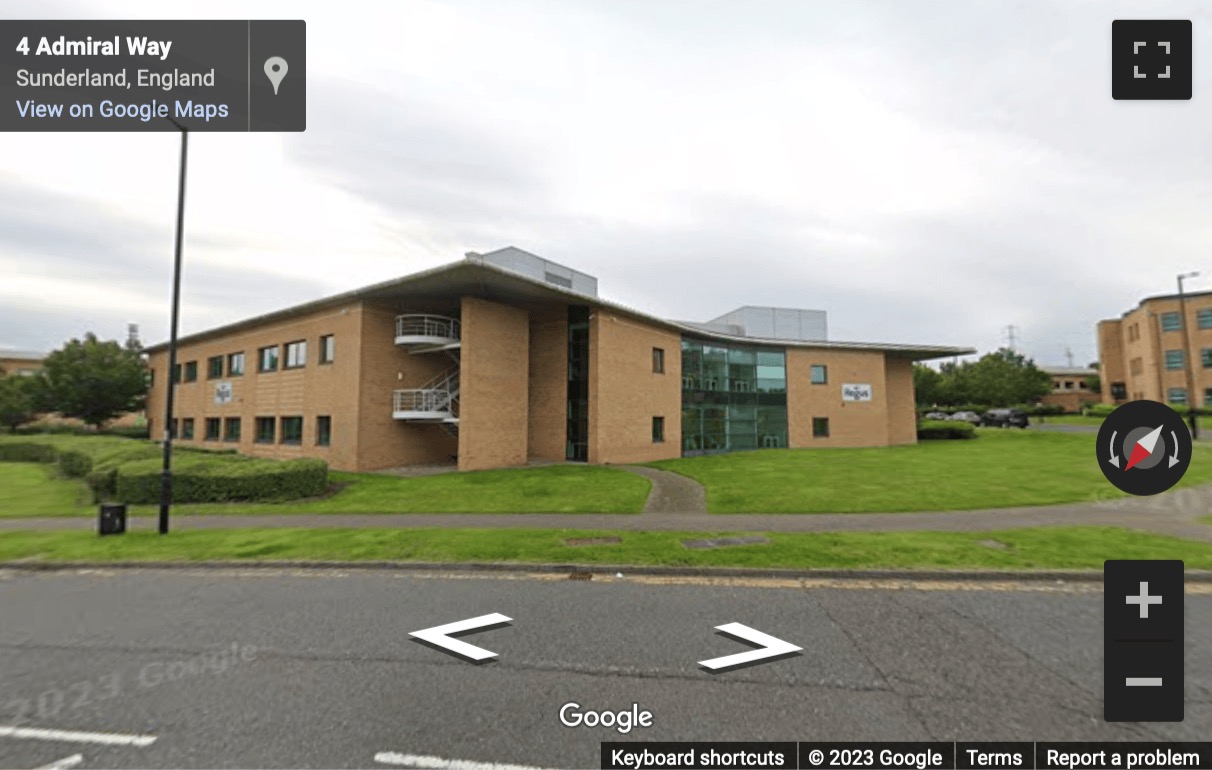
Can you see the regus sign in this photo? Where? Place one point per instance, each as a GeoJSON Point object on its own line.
{"type": "Point", "coordinates": [856, 392]}
{"type": "Point", "coordinates": [223, 394]}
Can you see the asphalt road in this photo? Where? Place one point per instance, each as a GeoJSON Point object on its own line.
{"type": "Point", "coordinates": [259, 668]}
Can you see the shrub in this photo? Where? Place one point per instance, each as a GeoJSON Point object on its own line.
{"type": "Point", "coordinates": [218, 481]}
{"type": "Point", "coordinates": [73, 464]}
{"type": "Point", "coordinates": [127, 431]}
{"type": "Point", "coordinates": [938, 429]}
{"type": "Point", "coordinates": [27, 453]}
{"type": "Point", "coordinates": [1100, 410]}
{"type": "Point", "coordinates": [104, 484]}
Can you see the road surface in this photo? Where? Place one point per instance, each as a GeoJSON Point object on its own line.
{"type": "Point", "coordinates": [263, 668]}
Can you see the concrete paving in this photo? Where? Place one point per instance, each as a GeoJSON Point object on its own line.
{"type": "Point", "coordinates": [671, 492]}
{"type": "Point", "coordinates": [285, 669]}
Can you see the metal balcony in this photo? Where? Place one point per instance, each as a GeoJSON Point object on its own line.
{"type": "Point", "coordinates": [423, 333]}
{"type": "Point", "coordinates": [436, 401]}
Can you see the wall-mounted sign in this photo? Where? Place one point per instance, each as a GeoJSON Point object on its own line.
{"type": "Point", "coordinates": [223, 393]}
{"type": "Point", "coordinates": [856, 392]}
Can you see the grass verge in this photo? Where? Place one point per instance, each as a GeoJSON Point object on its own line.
{"type": "Point", "coordinates": [999, 469]}
{"type": "Point", "coordinates": [1036, 548]}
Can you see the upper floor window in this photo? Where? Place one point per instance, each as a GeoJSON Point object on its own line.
{"type": "Point", "coordinates": [1203, 318]}
{"type": "Point", "coordinates": [327, 348]}
{"type": "Point", "coordinates": [296, 354]}
{"type": "Point", "coordinates": [658, 360]}
{"type": "Point", "coordinates": [1174, 359]}
{"type": "Point", "coordinates": [191, 371]}
{"type": "Point", "coordinates": [268, 359]}
{"type": "Point", "coordinates": [214, 367]}
{"type": "Point", "coordinates": [820, 374]}
{"type": "Point", "coordinates": [1171, 322]}
{"type": "Point", "coordinates": [235, 364]}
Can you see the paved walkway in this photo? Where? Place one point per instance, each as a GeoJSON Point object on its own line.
{"type": "Point", "coordinates": [671, 492]}
{"type": "Point", "coordinates": [1174, 513]}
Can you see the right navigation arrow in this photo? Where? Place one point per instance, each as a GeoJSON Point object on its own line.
{"type": "Point", "coordinates": [772, 648]}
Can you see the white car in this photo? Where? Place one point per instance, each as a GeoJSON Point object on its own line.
{"type": "Point", "coordinates": [969, 417]}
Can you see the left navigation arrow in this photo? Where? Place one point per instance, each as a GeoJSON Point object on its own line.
{"type": "Point", "coordinates": [441, 637]}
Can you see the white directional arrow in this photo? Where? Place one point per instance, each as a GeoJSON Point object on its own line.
{"type": "Point", "coordinates": [1114, 457]}
{"type": "Point", "coordinates": [772, 647]}
{"type": "Point", "coordinates": [1174, 457]}
{"type": "Point", "coordinates": [441, 636]}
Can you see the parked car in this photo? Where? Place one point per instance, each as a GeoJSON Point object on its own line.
{"type": "Point", "coordinates": [970, 417]}
{"type": "Point", "coordinates": [1005, 418]}
{"type": "Point", "coordinates": [934, 416]}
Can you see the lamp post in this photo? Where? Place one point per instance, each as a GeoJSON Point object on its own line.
{"type": "Point", "coordinates": [166, 474]}
{"type": "Point", "coordinates": [1190, 368]}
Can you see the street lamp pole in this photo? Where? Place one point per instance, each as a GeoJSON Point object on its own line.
{"type": "Point", "coordinates": [166, 474]}
{"type": "Point", "coordinates": [1190, 367]}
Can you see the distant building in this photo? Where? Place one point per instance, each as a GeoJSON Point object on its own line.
{"type": "Point", "coordinates": [1142, 354]}
{"type": "Point", "coordinates": [503, 358]}
{"type": "Point", "coordinates": [20, 362]}
{"type": "Point", "coordinates": [1070, 388]}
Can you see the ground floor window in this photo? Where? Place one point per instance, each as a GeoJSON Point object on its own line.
{"type": "Point", "coordinates": [212, 428]}
{"type": "Point", "coordinates": [323, 430]}
{"type": "Point", "coordinates": [1177, 395]}
{"type": "Point", "coordinates": [232, 432]}
{"type": "Point", "coordinates": [658, 430]}
{"type": "Point", "coordinates": [187, 428]}
{"type": "Point", "coordinates": [820, 427]}
{"type": "Point", "coordinates": [729, 427]}
{"type": "Point", "coordinates": [265, 430]}
{"type": "Point", "coordinates": [292, 430]}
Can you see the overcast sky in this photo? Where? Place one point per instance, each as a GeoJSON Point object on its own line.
{"type": "Point", "coordinates": [925, 171]}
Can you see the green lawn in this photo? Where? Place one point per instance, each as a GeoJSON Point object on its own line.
{"type": "Point", "coordinates": [34, 489]}
{"type": "Point", "coordinates": [1001, 468]}
{"type": "Point", "coordinates": [1039, 548]}
{"type": "Point", "coordinates": [1068, 419]}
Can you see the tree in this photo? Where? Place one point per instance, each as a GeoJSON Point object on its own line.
{"type": "Point", "coordinates": [927, 385]}
{"type": "Point", "coordinates": [17, 401]}
{"type": "Point", "coordinates": [94, 381]}
{"type": "Point", "coordinates": [1005, 377]}
{"type": "Point", "coordinates": [1094, 383]}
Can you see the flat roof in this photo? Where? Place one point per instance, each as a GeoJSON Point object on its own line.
{"type": "Point", "coordinates": [1074, 371]}
{"type": "Point", "coordinates": [1158, 298]}
{"type": "Point", "coordinates": [476, 277]}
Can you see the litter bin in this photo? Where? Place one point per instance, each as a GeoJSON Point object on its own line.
{"type": "Point", "coordinates": [112, 520]}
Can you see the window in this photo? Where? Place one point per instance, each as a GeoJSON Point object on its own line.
{"type": "Point", "coordinates": [212, 428]}
{"type": "Point", "coordinates": [265, 430]}
{"type": "Point", "coordinates": [327, 348]}
{"type": "Point", "coordinates": [658, 360]}
{"type": "Point", "coordinates": [235, 364]}
{"type": "Point", "coordinates": [658, 430]}
{"type": "Point", "coordinates": [820, 427]}
{"type": "Point", "coordinates": [151, 377]}
{"type": "Point", "coordinates": [820, 375]}
{"type": "Point", "coordinates": [1068, 384]}
{"type": "Point", "coordinates": [232, 429]}
{"type": "Point", "coordinates": [1171, 322]}
{"type": "Point", "coordinates": [187, 428]}
{"type": "Point", "coordinates": [1205, 357]}
{"type": "Point", "coordinates": [267, 359]}
{"type": "Point", "coordinates": [191, 371]}
{"type": "Point", "coordinates": [1203, 318]}
{"type": "Point", "coordinates": [323, 430]}
{"type": "Point", "coordinates": [292, 430]}
{"type": "Point", "coordinates": [1174, 359]}
{"type": "Point", "coordinates": [1177, 395]}
{"type": "Point", "coordinates": [1119, 391]}
{"type": "Point", "coordinates": [296, 354]}
{"type": "Point", "coordinates": [172, 430]}
{"type": "Point", "coordinates": [176, 373]}
{"type": "Point", "coordinates": [214, 367]}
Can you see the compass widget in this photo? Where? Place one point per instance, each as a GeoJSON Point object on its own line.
{"type": "Point", "coordinates": [1144, 448]}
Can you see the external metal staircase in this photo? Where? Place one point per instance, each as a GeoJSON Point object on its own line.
{"type": "Point", "coordinates": [437, 401]}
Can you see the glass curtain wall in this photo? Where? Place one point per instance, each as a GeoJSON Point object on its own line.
{"type": "Point", "coordinates": [578, 384]}
{"type": "Point", "coordinates": [733, 397]}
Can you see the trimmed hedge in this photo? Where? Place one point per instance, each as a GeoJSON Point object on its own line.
{"type": "Point", "coordinates": [27, 453]}
{"type": "Point", "coordinates": [73, 464]}
{"type": "Point", "coordinates": [930, 430]}
{"type": "Point", "coordinates": [139, 482]}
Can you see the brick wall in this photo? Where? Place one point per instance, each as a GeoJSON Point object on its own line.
{"type": "Point", "coordinates": [494, 400]}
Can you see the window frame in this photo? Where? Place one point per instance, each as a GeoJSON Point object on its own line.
{"type": "Point", "coordinates": [1171, 321]}
{"type": "Point", "coordinates": [187, 429]}
{"type": "Point", "coordinates": [324, 435]}
{"type": "Point", "coordinates": [823, 369]}
{"type": "Point", "coordinates": [1203, 318]}
{"type": "Point", "coordinates": [277, 356]}
{"type": "Point", "coordinates": [231, 358]}
{"type": "Point", "coordinates": [258, 422]}
{"type": "Point", "coordinates": [658, 429]}
{"type": "Point", "coordinates": [294, 419]}
{"type": "Point", "coordinates": [228, 424]}
{"type": "Point", "coordinates": [210, 368]}
{"type": "Point", "coordinates": [218, 426]}
{"type": "Point", "coordinates": [819, 423]}
{"type": "Point", "coordinates": [1182, 359]}
{"type": "Point", "coordinates": [658, 360]}
{"type": "Point", "coordinates": [288, 349]}
{"type": "Point", "coordinates": [328, 348]}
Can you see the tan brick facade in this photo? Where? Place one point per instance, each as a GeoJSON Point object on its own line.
{"type": "Point", "coordinates": [512, 360]}
{"type": "Point", "coordinates": [494, 401]}
{"type": "Point", "coordinates": [851, 423]}
{"type": "Point", "coordinates": [625, 394]}
{"type": "Point", "coordinates": [1133, 351]}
